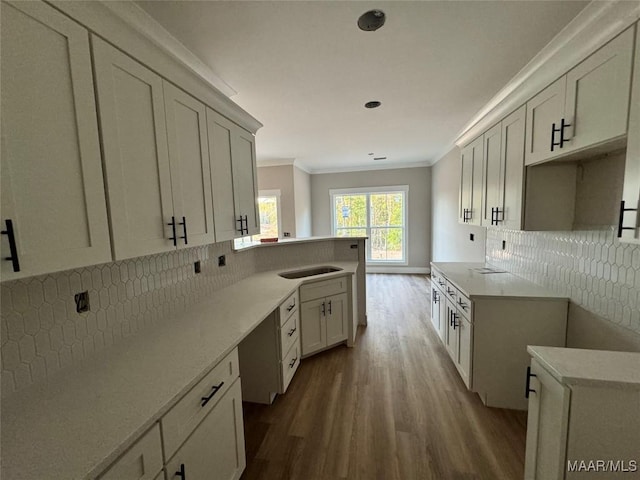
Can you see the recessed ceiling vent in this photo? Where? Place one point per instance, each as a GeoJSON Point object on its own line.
{"type": "Point", "coordinates": [379, 158]}
{"type": "Point", "coordinates": [372, 20]}
{"type": "Point", "coordinates": [372, 104]}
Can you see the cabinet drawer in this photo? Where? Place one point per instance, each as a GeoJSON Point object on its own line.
{"type": "Point", "coordinates": [290, 332]}
{"type": "Point", "coordinates": [143, 461]}
{"type": "Point", "coordinates": [324, 288]}
{"type": "Point", "coordinates": [185, 416]}
{"type": "Point", "coordinates": [290, 364]}
{"type": "Point", "coordinates": [289, 306]}
{"type": "Point", "coordinates": [450, 291]}
{"type": "Point", "coordinates": [464, 304]}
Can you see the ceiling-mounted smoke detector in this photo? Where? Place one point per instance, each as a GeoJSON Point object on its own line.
{"type": "Point", "coordinates": [372, 104]}
{"type": "Point", "coordinates": [372, 20]}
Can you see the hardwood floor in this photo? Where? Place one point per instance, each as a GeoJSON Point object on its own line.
{"type": "Point", "coordinates": [393, 407]}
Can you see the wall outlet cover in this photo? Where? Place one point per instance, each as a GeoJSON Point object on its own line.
{"type": "Point", "coordinates": [222, 260]}
{"type": "Point", "coordinates": [197, 267]}
{"type": "Point", "coordinates": [82, 301]}
{"type": "Point", "coordinates": [471, 236]}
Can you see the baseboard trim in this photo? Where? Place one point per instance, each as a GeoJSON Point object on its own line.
{"type": "Point", "coordinates": [398, 269]}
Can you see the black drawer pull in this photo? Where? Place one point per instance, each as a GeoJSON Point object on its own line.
{"type": "Point", "coordinates": [329, 307]}
{"type": "Point", "coordinates": [527, 388]}
{"type": "Point", "coordinates": [13, 250]}
{"type": "Point", "coordinates": [181, 473]}
{"type": "Point", "coordinates": [215, 389]}
{"type": "Point", "coordinates": [293, 362]}
{"type": "Point", "coordinates": [292, 331]}
{"type": "Point", "coordinates": [291, 307]}
{"type": "Point", "coordinates": [620, 220]}
{"type": "Point", "coordinates": [241, 229]}
{"type": "Point", "coordinates": [246, 223]}
{"type": "Point", "coordinates": [174, 239]}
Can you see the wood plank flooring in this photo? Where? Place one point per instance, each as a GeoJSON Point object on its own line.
{"type": "Point", "coordinates": [391, 408]}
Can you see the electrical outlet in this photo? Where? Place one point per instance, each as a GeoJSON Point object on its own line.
{"type": "Point", "coordinates": [354, 246]}
{"type": "Point", "coordinates": [471, 236]}
{"type": "Point", "coordinates": [286, 234]}
{"type": "Point", "coordinates": [197, 267]}
{"type": "Point", "coordinates": [222, 260]}
{"type": "Point", "coordinates": [82, 302]}
{"type": "Point", "coordinates": [504, 244]}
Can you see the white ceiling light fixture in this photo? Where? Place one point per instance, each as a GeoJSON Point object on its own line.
{"type": "Point", "coordinates": [371, 20]}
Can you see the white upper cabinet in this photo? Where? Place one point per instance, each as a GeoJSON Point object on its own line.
{"type": "Point", "coordinates": [245, 180]}
{"type": "Point", "coordinates": [189, 162]}
{"type": "Point", "coordinates": [504, 172]}
{"type": "Point", "coordinates": [629, 221]}
{"type": "Point", "coordinates": [136, 156]}
{"type": "Point", "coordinates": [234, 178]}
{"type": "Point", "coordinates": [544, 112]}
{"type": "Point", "coordinates": [586, 107]}
{"type": "Point", "coordinates": [156, 157]}
{"type": "Point", "coordinates": [52, 186]}
{"type": "Point", "coordinates": [493, 185]}
{"type": "Point", "coordinates": [471, 183]}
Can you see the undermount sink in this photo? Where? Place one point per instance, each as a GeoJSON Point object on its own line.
{"type": "Point", "coordinates": [308, 272]}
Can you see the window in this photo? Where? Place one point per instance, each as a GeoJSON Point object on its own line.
{"type": "Point", "coordinates": [379, 213]}
{"type": "Point", "coordinates": [270, 219]}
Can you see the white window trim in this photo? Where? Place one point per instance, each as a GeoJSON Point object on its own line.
{"type": "Point", "coordinates": [378, 189]}
{"type": "Point", "coordinates": [274, 193]}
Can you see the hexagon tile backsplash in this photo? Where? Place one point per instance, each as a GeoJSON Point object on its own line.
{"type": "Point", "coordinates": [41, 332]}
{"type": "Point", "coordinates": [591, 267]}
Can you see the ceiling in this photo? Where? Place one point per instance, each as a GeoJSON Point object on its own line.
{"type": "Point", "coordinates": [305, 70]}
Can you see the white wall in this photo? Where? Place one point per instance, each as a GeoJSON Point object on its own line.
{"type": "Point", "coordinates": [419, 202]}
{"type": "Point", "coordinates": [302, 200]}
{"type": "Point", "coordinates": [450, 239]}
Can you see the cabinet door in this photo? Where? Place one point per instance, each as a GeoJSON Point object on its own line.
{"type": "Point", "coordinates": [313, 326]}
{"type": "Point", "coordinates": [220, 134]}
{"type": "Point", "coordinates": [546, 426]}
{"type": "Point", "coordinates": [493, 184]}
{"type": "Point", "coordinates": [136, 159]}
{"type": "Point", "coordinates": [451, 341]}
{"type": "Point", "coordinates": [512, 151]}
{"type": "Point", "coordinates": [543, 111]}
{"type": "Point", "coordinates": [631, 194]}
{"type": "Point", "coordinates": [444, 326]}
{"type": "Point", "coordinates": [471, 183]}
{"type": "Point", "coordinates": [216, 447]}
{"type": "Point", "coordinates": [141, 462]}
{"type": "Point", "coordinates": [189, 165]}
{"type": "Point", "coordinates": [464, 331]}
{"type": "Point", "coordinates": [597, 98]}
{"type": "Point", "coordinates": [52, 184]}
{"type": "Point", "coordinates": [435, 308]}
{"type": "Point", "coordinates": [337, 318]}
{"type": "Point", "coordinates": [245, 180]}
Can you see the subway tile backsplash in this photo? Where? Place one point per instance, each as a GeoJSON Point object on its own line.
{"type": "Point", "coordinates": [591, 267]}
{"type": "Point", "coordinates": [42, 333]}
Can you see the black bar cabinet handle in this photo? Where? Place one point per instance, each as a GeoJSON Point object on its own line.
{"type": "Point", "coordinates": [214, 389]}
{"type": "Point", "coordinates": [563, 125]}
{"type": "Point", "coordinates": [184, 228]}
{"type": "Point", "coordinates": [173, 229]}
{"type": "Point", "coordinates": [324, 310]}
{"type": "Point", "coordinates": [553, 136]}
{"type": "Point", "coordinates": [246, 224]}
{"type": "Point", "coordinates": [329, 307]}
{"type": "Point", "coordinates": [293, 362]}
{"type": "Point", "coordinates": [620, 219]}
{"type": "Point", "coordinates": [241, 229]}
{"type": "Point", "coordinates": [292, 331]}
{"type": "Point", "coordinates": [181, 473]}
{"type": "Point", "coordinates": [528, 389]}
{"type": "Point", "coordinates": [454, 321]}
{"type": "Point", "coordinates": [13, 250]}
{"type": "Point", "coordinates": [290, 307]}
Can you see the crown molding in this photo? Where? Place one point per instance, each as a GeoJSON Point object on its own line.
{"type": "Point", "coordinates": [363, 168]}
{"type": "Point", "coordinates": [595, 25]}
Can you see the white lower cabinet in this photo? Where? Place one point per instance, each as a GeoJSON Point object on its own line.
{"type": "Point", "coordinates": [324, 314]}
{"type": "Point", "coordinates": [487, 337]}
{"type": "Point", "coordinates": [270, 354]}
{"type": "Point", "coordinates": [143, 461]}
{"type": "Point", "coordinates": [584, 414]}
{"type": "Point", "coordinates": [215, 450]}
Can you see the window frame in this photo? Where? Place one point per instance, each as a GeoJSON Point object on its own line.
{"type": "Point", "coordinates": [368, 191]}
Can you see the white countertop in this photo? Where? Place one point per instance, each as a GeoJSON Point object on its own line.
{"type": "Point", "coordinates": [574, 366]}
{"type": "Point", "coordinates": [289, 240]}
{"type": "Point", "coordinates": [467, 278]}
{"type": "Point", "coordinates": [79, 421]}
